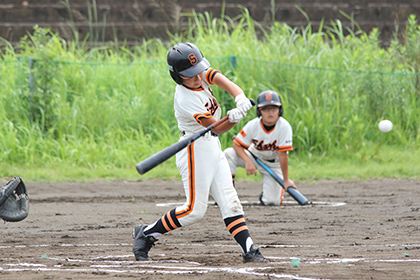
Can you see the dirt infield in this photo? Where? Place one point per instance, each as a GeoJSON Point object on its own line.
{"type": "Point", "coordinates": [353, 230]}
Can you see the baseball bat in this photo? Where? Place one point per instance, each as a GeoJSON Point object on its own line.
{"type": "Point", "coordinates": [297, 195]}
{"type": "Point", "coordinates": [161, 156]}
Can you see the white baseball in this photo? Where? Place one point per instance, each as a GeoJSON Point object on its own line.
{"type": "Point", "coordinates": [385, 126]}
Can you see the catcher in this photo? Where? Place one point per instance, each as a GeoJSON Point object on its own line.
{"type": "Point", "coordinates": [269, 136]}
{"type": "Point", "coordinates": [14, 201]}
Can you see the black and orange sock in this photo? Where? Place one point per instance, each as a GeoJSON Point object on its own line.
{"type": "Point", "coordinates": [233, 179]}
{"type": "Point", "coordinates": [239, 230]}
{"type": "Point", "coordinates": [167, 223]}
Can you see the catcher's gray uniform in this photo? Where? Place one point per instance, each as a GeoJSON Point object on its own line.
{"type": "Point", "coordinates": [266, 145]}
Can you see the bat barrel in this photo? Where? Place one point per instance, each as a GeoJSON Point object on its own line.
{"type": "Point", "coordinates": [300, 198]}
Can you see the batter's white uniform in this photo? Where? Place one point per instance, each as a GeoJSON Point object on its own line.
{"type": "Point", "coordinates": [202, 165]}
{"type": "Point", "coordinates": [266, 146]}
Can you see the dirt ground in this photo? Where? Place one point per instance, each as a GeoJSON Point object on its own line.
{"type": "Point", "coordinates": [351, 230]}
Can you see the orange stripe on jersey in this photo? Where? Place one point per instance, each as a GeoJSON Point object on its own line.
{"type": "Point", "coordinates": [238, 221]}
{"type": "Point", "coordinates": [242, 132]}
{"type": "Point", "coordinates": [210, 75]}
{"type": "Point", "coordinates": [285, 148]}
{"type": "Point", "coordinates": [191, 169]}
{"type": "Point", "coordinates": [205, 115]}
{"type": "Point", "coordinates": [238, 230]}
{"type": "Point", "coordinates": [239, 143]}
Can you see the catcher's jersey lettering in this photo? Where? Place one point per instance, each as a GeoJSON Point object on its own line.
{"type": "Point", "coordinates": [266, 144]}
{"type": "Point", "coordinates": [259, 145]}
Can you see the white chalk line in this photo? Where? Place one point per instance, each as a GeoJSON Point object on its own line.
{"type": "Point", "coordinates": [257, 203]}
{"type": "Point", "coordinates": [149, 267]}
{"type": "Point", "coordinates": [214, 245]}
{"type": "Point", "coordinates": [153, 267]}
{"type": "Point", "coordinates": [103, 264]}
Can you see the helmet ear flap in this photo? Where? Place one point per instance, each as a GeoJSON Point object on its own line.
{"type": "Point", "coordinates": [258, 112]}
{"type": "Point", "coordinates": [176, 78]}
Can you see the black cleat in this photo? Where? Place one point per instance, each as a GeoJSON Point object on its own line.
{"type": "Point", "coordinates": [261, 195]}
{"type": "Point", "coordinates": [142, 243]}
{"type": "Point", "coordinates": [253, 255]}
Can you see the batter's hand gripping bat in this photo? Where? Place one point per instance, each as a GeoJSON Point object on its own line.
{"type": "Point", "coordinates": [291, 190]}
{"type": "Point", "coordinates": [158, 158]}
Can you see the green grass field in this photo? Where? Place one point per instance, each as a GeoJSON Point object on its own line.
{"type": "Point", "coordinates": [69, 112]}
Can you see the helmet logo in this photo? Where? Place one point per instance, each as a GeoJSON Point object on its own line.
{"type": "Point", "coordinates": [193, 60]}
{"type": "Point", "coordinates": [268, 96]}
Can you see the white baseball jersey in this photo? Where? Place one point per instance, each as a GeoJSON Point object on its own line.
{"type": "Point", "coordinates": [266, 144]}
{"type": "Point", "coordinates": [193, 104]}
{"type": "Point", "coordinates": [202, 165]}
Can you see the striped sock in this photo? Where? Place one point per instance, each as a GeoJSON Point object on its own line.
{"type": "Point", "coordinates": [167, 223]}
{"type": "Point", "coordinates": [239, 230]}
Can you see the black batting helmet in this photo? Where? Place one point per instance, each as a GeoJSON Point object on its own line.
{"type": "Point", "coordinates": [185, 59]}
{"type": "Point", "coordinates": [269, 97]}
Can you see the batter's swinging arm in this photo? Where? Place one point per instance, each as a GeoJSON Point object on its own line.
{"type": "Point", "coordinates": [292, 191]}
{"type": "Point", "coordinates": [156, 159]}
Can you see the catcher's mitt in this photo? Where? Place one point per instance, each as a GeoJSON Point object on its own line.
{"type": "Point", "coordinates": [14, 201]}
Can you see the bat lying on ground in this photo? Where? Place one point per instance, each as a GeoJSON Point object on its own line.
{"type": "Point", "coordinates": [158, 158]}
{"type": "Point", "coordinates": [292, 191]}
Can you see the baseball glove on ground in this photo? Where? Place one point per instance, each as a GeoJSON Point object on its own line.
{"type": "Point", "coordinates": [14, 201]}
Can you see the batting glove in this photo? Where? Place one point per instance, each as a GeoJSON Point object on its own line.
{"type": "Point", "coordinates": [243, 102]}
{"type": "Point", "coordinates": [235, 115]}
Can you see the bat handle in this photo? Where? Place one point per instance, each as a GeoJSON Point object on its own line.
{"type": "Point", "coordinates": [219, 122]}
{"type": "Point", "coordinates": [225, 118]}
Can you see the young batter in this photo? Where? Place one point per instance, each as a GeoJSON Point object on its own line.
{"type": "Point", "coordinates": [269, 137]}
{"type": "Point", "coordinates": [202, 165]}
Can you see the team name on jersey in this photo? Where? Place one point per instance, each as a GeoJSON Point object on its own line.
{"type": "Point", "coordinates": [212, 105]}
{"type": "Point", "coordinates": [259, 145]}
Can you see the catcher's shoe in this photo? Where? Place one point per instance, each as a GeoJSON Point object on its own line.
{"type": "Point", "coordinates": [261, 195]}
{"type": "Point", "coordinates": [253, 255]}
{"type": "Point", "coordinates": [142, 243]}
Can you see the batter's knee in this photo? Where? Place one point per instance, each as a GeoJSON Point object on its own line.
{"type": "Point", "coordinates": [194, 216]}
